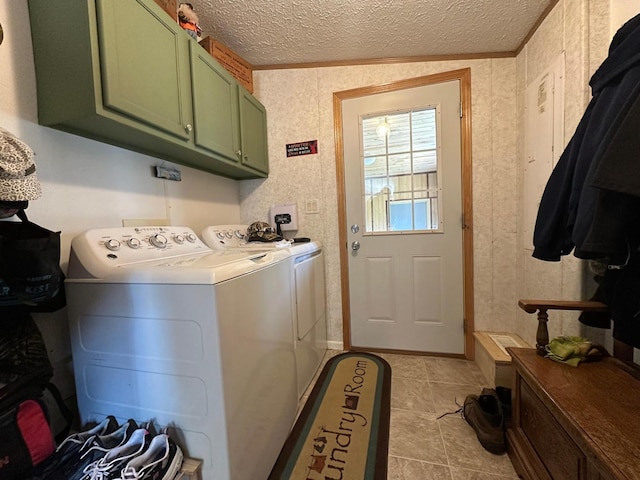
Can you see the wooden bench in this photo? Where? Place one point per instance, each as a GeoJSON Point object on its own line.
{"type": "Point", "coordinates": [574, 423]}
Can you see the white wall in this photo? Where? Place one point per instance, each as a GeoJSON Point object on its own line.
{"type": "Point", "coordinates": [299, 103]}
{"type": "Point", "coordinates": [621, 11]}
{"type": "Point", "coordinates": [87, 184]}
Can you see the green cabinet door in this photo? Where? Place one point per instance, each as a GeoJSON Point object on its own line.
{"type": "Point", "coordinates": [145, 65]}
{"type": "Point", "coordinates": [124, 72]}
{"type": "Point", "coordinates": [253, 132]}
{"type": "Point", "coordinates": [215, 105]}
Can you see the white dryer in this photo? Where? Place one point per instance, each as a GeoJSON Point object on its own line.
{"type": "Point", "coordinates": [165, 329]}
{"type": "Point", "coordinates": [309, 301]}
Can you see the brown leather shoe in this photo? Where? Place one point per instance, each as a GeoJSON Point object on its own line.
{"type": "Point", "coordinates": [484, 413]}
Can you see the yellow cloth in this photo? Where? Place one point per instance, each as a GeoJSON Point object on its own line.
{"type": "Point", "coordinates": [568, 349]}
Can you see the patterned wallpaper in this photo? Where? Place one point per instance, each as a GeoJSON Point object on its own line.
{"type": "Point", "coordinates": [299, 103]}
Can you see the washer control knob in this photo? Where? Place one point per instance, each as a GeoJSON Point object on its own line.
{"type": "Point", "coordinates": [220, 235]}
{"type": "Point", "coordinates": [228, 234]}
{"type": "Point", "coordinates": [112, 244]}
{"type": "Point", "coordinates": [134, 243]}
{"type": "Point", "coordinates": [179, 239]}
{"type": "Point", "coordinates": [239, 234]}
{"type": "Point", "coordinates": [159, 241]}
{"type": "Point", "coordinates": [191, 238]}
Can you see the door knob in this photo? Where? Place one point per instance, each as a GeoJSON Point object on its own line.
{"type": "Point", "coordinates": [355, 245]}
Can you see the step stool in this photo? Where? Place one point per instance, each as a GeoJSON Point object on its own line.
{"type": "Point", "coordinates": [191, 470]}
{"type": "Point", "coordinates": [492, 357]}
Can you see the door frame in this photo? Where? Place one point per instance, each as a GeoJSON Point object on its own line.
{"type": "Point", "coordinates": [464, 77]}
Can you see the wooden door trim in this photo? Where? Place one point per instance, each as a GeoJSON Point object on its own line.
{"type": "Point", "coordinates": [464, 76]}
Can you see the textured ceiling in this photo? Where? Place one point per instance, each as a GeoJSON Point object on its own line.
{"type": "Point", "coordinates": [273, 32]}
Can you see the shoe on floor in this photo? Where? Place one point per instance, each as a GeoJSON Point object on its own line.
{"type": "Point", "coordinates": [161, 461]}
{"type": "Point", "coordinates": [109, 466]}
{"type": "Point", "coordinates": [70, 447]}
{"type": "Point", "coordinates": [484, 413]}
{"type": "Point", "coordinates": [91, 451]}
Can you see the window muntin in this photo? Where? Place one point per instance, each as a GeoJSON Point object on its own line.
{"type": "Point", "coordinates": [400, 165]}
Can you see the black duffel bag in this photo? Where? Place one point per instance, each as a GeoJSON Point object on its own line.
{"type": "Point", "coordinates": [26, 439]}
{"type": "Point", "coordinates": [30, 272]}
{"type": "Point", "coordinates": [26, 435]}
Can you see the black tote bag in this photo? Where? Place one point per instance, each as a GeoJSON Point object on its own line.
{"type": "Point", "coordinates": [30, 272]}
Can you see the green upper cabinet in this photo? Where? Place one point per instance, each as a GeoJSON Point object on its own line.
{"type": "Point", "coordinates": [123, 72]}
{"type": "Point", "coordinates": [238, 130]}
{"type": "Point", "coordinates": [253, 132]}
{"type": "Point", "coordinates": [215, 105]}
{"type": "Point", "coordinates": [144, 61]}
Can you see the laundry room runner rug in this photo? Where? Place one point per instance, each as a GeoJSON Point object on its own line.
{"type": "Point", "coordinates": [343, 429]}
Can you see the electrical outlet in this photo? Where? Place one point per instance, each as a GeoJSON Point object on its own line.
{"type": "Point", "coordinates": [285, 216]}
{"type": "Point", "coordinates": [168, 173]}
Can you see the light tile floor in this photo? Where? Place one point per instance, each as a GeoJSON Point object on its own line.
{"type": "Point", "coordinates": [423, 446]}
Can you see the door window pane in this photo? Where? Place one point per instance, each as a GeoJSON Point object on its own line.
{"type": "Point", "coordinates": [407, 215]}
{"type": "Point", "coordinates": [399, 158]}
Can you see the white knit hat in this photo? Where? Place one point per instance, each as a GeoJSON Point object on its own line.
{"type": "Point", "coordinates": [18, 180]}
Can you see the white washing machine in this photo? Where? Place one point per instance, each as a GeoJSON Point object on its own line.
{"type": "Point", "coordinates": [165, 329]}
{"type": "Point", "coordinates": [307, 278]}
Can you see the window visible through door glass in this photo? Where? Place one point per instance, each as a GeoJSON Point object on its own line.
{"type": "Point", "coordinates": [400, 163]}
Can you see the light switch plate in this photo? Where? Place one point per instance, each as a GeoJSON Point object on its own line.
{"type": "Point", "coordinates": [311, 206]}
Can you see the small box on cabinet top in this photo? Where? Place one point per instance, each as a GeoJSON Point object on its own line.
{"type": "Point", "coordinates": [236, 65]}
{"type": "Point", "coordinates": [169, 6]}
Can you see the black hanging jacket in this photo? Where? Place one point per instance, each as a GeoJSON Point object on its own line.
{"type": "Point", "coordinates": [592, 199]}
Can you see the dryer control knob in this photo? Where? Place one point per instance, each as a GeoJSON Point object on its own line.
{"type": "Point", "coordinates": [112, 244]}
{"type": "Point", "coordinates": [159, 241]}
{"type": "Point", "coordinates": [239, 234]}
{"type": "Point", "coordinates": [191, 238]}
{"type": "Point", "coordinates": [134, 243]}
{"type": "Point", "coordinates": [228, 234]}
{"type": "Point", "coordinates": [220, 235]}
{"type": "Point", "coordinates": [179, 239]}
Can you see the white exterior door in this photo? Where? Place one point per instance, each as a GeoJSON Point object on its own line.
{"type": "Point", "coordinates": [403, 194]}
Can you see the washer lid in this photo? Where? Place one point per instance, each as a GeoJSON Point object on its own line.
{"type": "Point", "coordinates": [202, 269]}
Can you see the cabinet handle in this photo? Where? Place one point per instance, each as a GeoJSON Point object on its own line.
{"type": "Point", "coordinates": [238, 153]}
{"type": "Point", "coordinates": [188, 128]}
{"type": "Point", "coordinates": [246, 157]}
